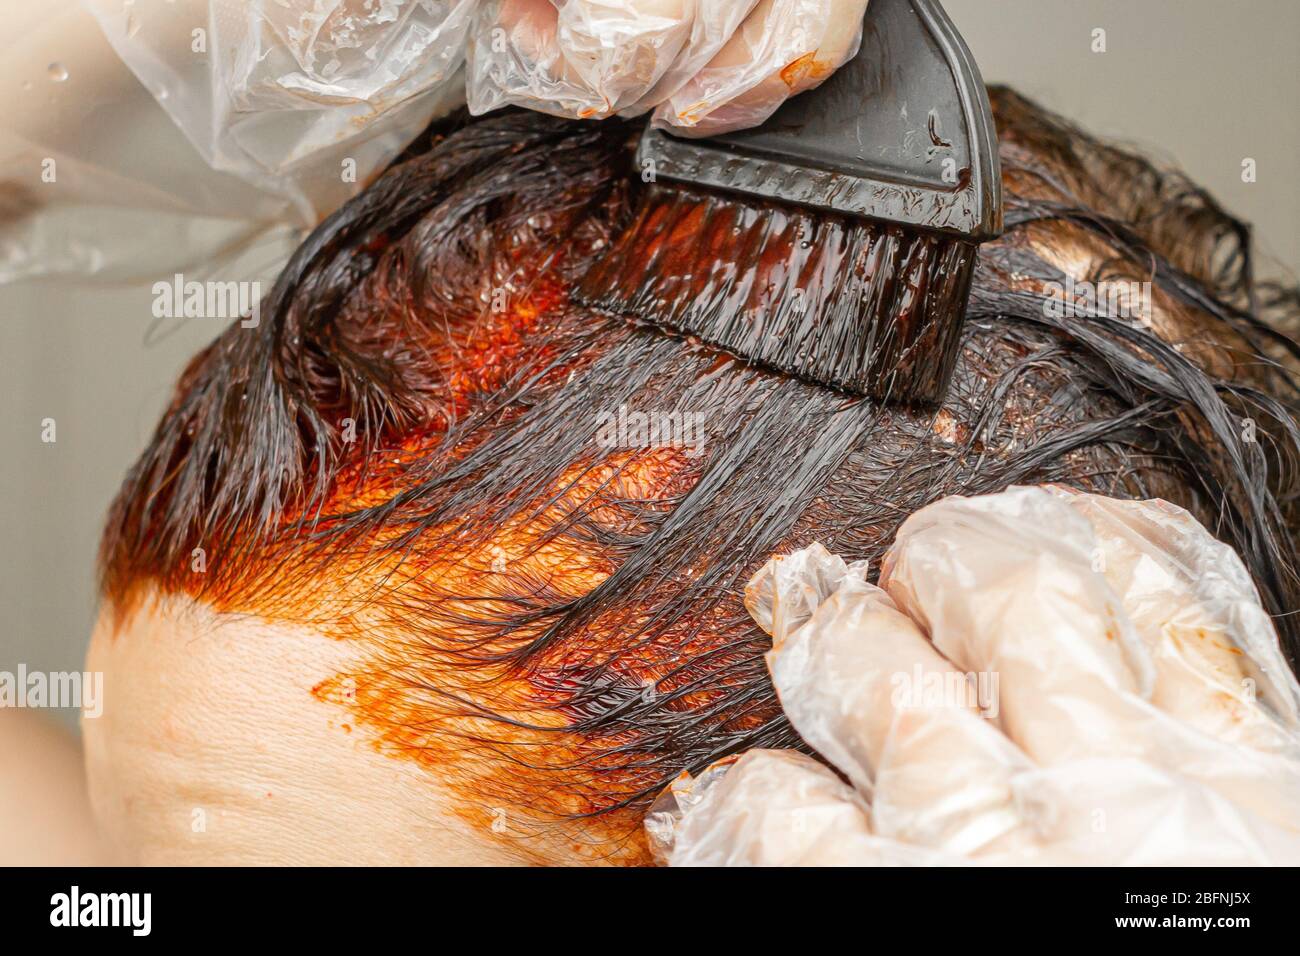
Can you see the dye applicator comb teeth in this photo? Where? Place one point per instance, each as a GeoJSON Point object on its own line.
{"type": "Point", "coordinates": [836, 241]}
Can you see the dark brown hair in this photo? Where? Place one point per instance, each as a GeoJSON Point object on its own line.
{"type": "Point", "coordinates": [558, 621]}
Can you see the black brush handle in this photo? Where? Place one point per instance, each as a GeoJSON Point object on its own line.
{"type": "Point", "coordinates": [902, 133]}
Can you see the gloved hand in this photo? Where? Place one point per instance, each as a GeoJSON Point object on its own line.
{"type": "Point", "coordinates": [144, 139]}
{"type": "Point", "coordinates": [704, 66]}
{"type": "Point", "coordinates": [1044, 677]}
{"type": "Point", "coordinates": [258, 115]}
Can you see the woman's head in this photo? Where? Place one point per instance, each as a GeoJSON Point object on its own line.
{"type": "Point", "coordinates": [432, 525]}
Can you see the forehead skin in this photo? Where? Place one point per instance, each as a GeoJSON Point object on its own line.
{"type": "Point", "coordinates": [247, 733]}
{"type": "Point", "coordinates": [212, 749]}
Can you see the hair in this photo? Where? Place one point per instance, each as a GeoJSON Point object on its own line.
{"type": "Point", "coordinates": [404, 451]}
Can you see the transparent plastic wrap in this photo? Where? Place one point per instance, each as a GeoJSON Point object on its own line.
{"type": "Point", "coordinates": [154, 136]}
{"type": "Point", "coordinates": [279, 93]}
{"type": "Point", "coordinates": [704, 66]}
{"type": "Point", "coordinates": [187, 128]}
{"type": "Point", "coordinates": [1043, 677]}
{"type": "Point", "coordinates": [783, 48]}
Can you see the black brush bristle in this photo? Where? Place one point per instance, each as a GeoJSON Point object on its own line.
{"type": "Point", "coordinates": [859, 305]}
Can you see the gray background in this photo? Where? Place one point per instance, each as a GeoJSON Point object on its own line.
{"type": "Point", "coordinates": [1200, 82]}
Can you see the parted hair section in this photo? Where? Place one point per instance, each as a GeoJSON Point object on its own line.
{"type": "Point", "coordinates": [540, 517]}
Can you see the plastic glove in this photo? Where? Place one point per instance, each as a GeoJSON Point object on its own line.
{"type": "Point", "coordinates": [1044, 677]}
{"type": "Point", "coordinates": [705, 66]}
{"type": "Point", "coordinates": [146, 137]}
{"type": "Point", "coordinates": [281, 92]}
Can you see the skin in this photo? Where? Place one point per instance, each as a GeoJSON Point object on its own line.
{"type": "Point", "coordinates": [251, 721]}
{"type": "Point", "coordinates": [213, 750]}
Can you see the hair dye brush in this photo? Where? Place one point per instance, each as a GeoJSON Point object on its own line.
{"type": "Point", "coordinates": [836, 241]}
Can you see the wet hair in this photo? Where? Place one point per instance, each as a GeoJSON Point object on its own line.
{"type": "Point", "coordinates": [407, 450]}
